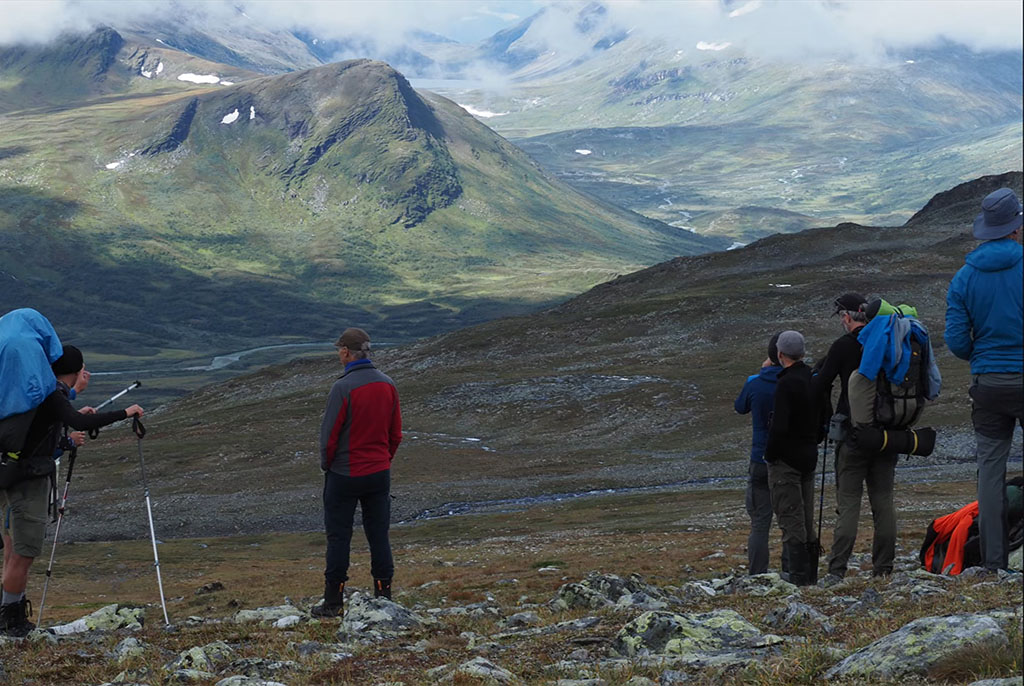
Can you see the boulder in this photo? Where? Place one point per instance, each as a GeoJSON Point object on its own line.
{"type": "Point", "coordinates": [1008, 681]}
{"type": "Point", "coordinates": [381, 615]}
{"type": "Point", "coordinates": [189, 676]}
{"type": "Point", "coordinates": [267, 614]}
{"type": "Point", "coordinates": [606, 590]}
{"type": "Point", "coordinates": [128, 649]}
{"type": "Point", "coordinates": [205, 658]}
{"type": "Point", "coordinates": [921, 645]}
{"type": "Point", "coordinates": [667, 633]}
{"type": "Point", "coordinates": [247, 681]}
{"type": "Point", "coordinates": [798, 615]}
{"type": "Point", "coordinates": [759, 585]}
{"type": "Point", "coordinates": [479, 668]}
{"type": "Point", "coordinates": [259, 667]}
{"type": "Point", "coordinates": [109, 618]}
{"type": "Point", "coordinates": [1016, 560]}
{"type": "Point", "coordinates": [521, 620]}
{"type": "Point", "coordinates": [486, 671]}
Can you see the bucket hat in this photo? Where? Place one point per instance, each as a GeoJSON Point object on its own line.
{"type": "Point", "coordinates": [1000, 215]}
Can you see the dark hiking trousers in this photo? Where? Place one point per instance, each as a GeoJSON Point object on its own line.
{"type": "Point", "coordinates": [373, 493]}
{"type": "Point", "coordinates": [759, 507]}
{"type": "Point", "coordinates": [792, 494]}
{"type": "Point", "coordinates": [854, 470]}
{"type": "Point", "coordinates": [998, 407]}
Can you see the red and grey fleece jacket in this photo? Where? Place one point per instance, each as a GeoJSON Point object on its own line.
{"type": "Point", "coordinates": [362, 424]}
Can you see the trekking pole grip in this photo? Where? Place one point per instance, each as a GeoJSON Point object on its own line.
{"type": "Point", "coordinates": [137, 427]}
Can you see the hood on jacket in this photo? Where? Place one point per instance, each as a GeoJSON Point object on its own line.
{"type": "Point", "coordinates": [995, 256]}
{"type": "Point", "coordinates": [769, 373]}
{"type": "Point", "coordinates": [28, 344]}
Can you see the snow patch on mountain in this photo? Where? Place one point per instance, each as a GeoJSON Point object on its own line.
{"type": "Point", "coordinates": [159, 67]}
{"type": "Point", "coordinates": [199, 78]}
{"type": "Point", "coordinates": [705, 45]}
{"type": "Point", "coordinates": [584, 151]}
{"type": "Point", "coordinates": [252, 112]}
{"type": "Point", "coordinates": [147, 74]}
{"type": "Point", "coordinates": [230, 118]}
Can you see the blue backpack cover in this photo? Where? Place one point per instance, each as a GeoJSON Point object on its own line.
{"type": "Point", "coordinates": [28, 345]}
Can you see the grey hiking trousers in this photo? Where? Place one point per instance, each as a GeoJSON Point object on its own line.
{"type": "Point", "coordinates": [759, 507]}
{"type": "Point", "coordinates": [853, 470]}
{"type": "Point", "coordinates": [997, 407]}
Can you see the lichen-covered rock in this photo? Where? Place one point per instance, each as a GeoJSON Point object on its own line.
{"type": "Point", "coordinates": [259, 668]}
{"type": "Point", "coordinates": [285, 622]}
{"type": "Point", "coordinates": [520, 620]}
{"type": "Point", "coordinates": [696, 591]}
{"type": "Point", "coordinates": [205, 658]}
{"type": "Point", "coordinates": [267, 614]}
{"type": "Point", "coordinates": [189, 676]}
{"type": "Point", "coordinates": [581, 682]}
{"type": "Point", "coordinates": [1008, 681]}
{"type": "Point", "coordinates": [141, 675]}
{"type": "Point", "coordinates": [606, 590]}
{"type": "Point", "coordinates": [1016, 562]}
{"type": "Point", "coordinates": [380, 615]}
{"type": "Point", "coordinates": [239, 680]}
{"type": "Point", "coordinates": [667, 633]}
{"type": "Point", "coordinates": [760, 585]}
{"type": "Point", "coordinates": [109, 618]}
{"type": "Point", "coordinates": [920, 645]}
{"type": "Point", "coordinates": [128, 649]}
{"type": "Point", "coordinates": [486, 671]}
{"type": "Point", "coordinates": [797, 615]}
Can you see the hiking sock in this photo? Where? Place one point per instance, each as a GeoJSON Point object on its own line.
{"type": "Point", "coordinates": [9, 598]}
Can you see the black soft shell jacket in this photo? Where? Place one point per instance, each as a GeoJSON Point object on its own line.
{"type": "Point", "coordinates": [794, 432]}
{"type": "Point", "coordinates": [53, 415]}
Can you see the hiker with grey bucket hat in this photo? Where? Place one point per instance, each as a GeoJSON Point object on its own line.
{"type": "Point", "coordinates": [792, 456]}
{"type": "Point", "coordinates": [985, 325]}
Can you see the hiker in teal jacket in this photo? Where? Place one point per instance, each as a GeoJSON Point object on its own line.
{"type": "Point", "coordinates": [985, 324]}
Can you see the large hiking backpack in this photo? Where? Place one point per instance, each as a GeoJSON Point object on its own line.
{"type": "Point", "coordinates": [953, 543]}
{"type": "Point", "coordinates": [898, 405]}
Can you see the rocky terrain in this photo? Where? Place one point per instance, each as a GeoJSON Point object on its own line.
{"type": "Point", "coordinates": [599, 630]}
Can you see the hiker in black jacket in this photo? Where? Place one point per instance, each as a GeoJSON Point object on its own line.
{"type": "Point", "coordinates": [792, 456]}
{"type": "Point", "coordinates": [28, 498]}
{"type": "Point", "coordinates": [855, 468]}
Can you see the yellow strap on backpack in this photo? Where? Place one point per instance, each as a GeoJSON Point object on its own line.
{"type": "Point", "coordinates": [885, 440]}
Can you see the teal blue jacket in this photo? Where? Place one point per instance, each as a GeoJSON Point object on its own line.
{"type": "Point", "coordinates": [985, 309]}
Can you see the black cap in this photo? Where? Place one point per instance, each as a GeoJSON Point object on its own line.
{"type": "Point", "coordinates": [848, 302]}
{"type": "Point", "coordinates": [70, 362]}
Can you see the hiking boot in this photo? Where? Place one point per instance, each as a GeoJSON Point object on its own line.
{"type": "Point", "coordinates": [334, 601]}
{"type": "Point", "coordinates": [382, 588]}
{"type": "Point", "coordinates": [798, 563]}
{"type": "Point", "coordinates": [14, 618]}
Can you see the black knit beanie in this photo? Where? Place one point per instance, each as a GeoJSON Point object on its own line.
{"type": "Point", "coordinates": [71, 362]}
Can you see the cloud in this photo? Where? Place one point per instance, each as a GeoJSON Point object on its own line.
{"type": "Point", "coordinates": [847, 28]}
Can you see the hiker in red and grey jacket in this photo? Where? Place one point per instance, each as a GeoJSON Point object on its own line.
{"type": "Point", "coordinates": [360, 433]}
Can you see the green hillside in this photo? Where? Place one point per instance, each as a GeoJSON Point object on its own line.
{"type": "Point", "coordinates": [630, 384]}
{"type": "Point", "coordinates": [205, 217]}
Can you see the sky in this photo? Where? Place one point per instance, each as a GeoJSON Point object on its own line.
{"type": "Point", "coordinates": [855, 27]}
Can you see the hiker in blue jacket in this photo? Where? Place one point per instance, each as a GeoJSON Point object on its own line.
{"type": "Point", "coordinates": [985, 325]}
{"type": "Point", "coordinates": [756, 399]}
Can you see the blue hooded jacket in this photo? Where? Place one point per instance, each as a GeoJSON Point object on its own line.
{"type": "Point", "coordinates": [886, 342]}
{"type": "Point", "coordinates": [28, 345]}
{"type": "Point", "coordinates": [758, 396]}
{"type": "Point", "coordinates": [985, 309]}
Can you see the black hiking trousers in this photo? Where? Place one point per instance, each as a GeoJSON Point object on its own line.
{"type": "Point", "coordinates": [373, 494]}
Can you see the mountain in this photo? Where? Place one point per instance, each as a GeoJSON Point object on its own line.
{"type": "Point", "coordinates": [628, 385]}
{"type": "Point", "coordinates": [79, 67]}
{"type": "Point", "coordinates": [221, 214]}
{"type": "Point", "coordinates": [713, 127]}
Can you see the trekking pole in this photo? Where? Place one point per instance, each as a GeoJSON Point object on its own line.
{"type": "Point", "coordinates": [56, 533]}
{"type": "Point", "coordinates": [94, 433]}
{"type": "Point", "coordinates": [118, 395]}
{"type": "Point", "coordinates": [140, 431]}
{"type": "Point", "coordinates": [821, 497]}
